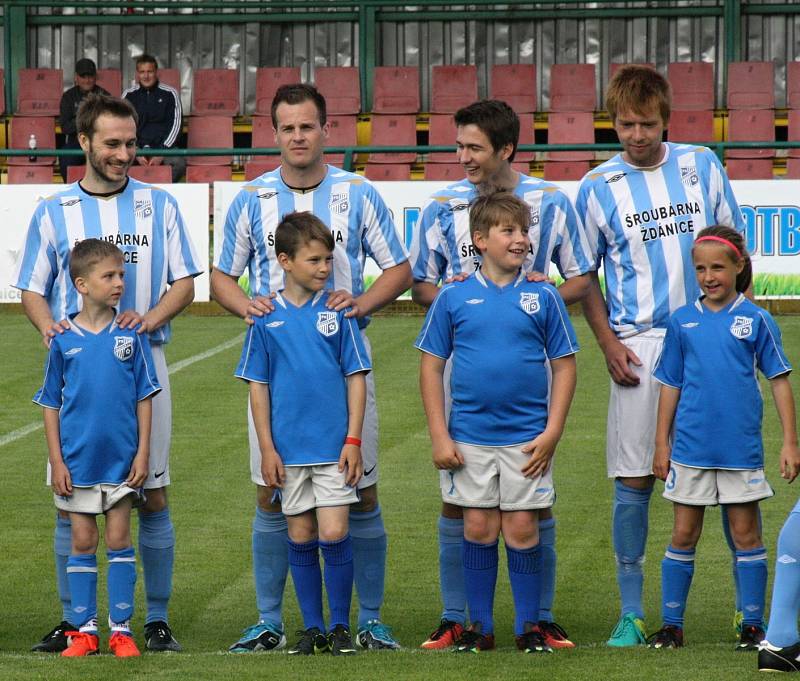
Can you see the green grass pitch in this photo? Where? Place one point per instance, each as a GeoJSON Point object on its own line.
{"type": "Point", "coordinates": [212, 503]}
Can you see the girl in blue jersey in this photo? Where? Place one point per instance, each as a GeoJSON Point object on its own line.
{"type": "Point", "coordinates": [708, 435]}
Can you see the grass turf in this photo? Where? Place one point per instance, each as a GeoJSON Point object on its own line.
{"type": "Point", "coordinates": [212, 504]}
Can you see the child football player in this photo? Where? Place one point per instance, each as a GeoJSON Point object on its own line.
{"type": "Point", "coordinates": [306, 366]}
{"type": "Point", "coordinates": [98, 385]}
{"type": "Point", "coordinates": [708, 445]}
{"type": "Point", "coordinates": [497, 449]}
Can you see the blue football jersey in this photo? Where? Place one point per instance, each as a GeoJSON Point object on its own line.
{"type": "Point", "coordinates": [711, 357]}
{"type": "Point", "coordinates": [96, 382]}
{"type": "Point", "coordinates": [499, 339]}
{"type": "Point", "coordinates": [304, 354]}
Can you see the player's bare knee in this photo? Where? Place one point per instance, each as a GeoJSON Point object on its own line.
{"type": "Point", "coordinates": [116, 540]}
{"type": "Point", "coordinates": [451, 511]}
{"type": "Point", "coordinates": [302, 527]}
{"type": "Point", "coordinates": [520, 529]}
{"type": "Point", "coordinates": [367, 501]}
{"type": "Point", "coordinates": [482, 526]}
{"type": "Point", "coordinates": [85, 540]}
{"type": "Point", "coordinates": [266, 499]}
{"type": "Point", "coordinates": [155, 500]}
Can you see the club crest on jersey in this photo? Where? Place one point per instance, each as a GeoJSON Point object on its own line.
{"type": "Point", "coordinates": [339, 203]}
{"type": "Point", "coordinates": [742, 327]}
{"type": "Point", "coordinates": [143, 208]}
{"type": "Point", "coordinates": [529, 302]}
{"type": "Point", "coordinates": [689, 176]}
{"type": "Point", "coordinates": [123, 348]}
{"type": "Point", "coordinates": [327, 323]}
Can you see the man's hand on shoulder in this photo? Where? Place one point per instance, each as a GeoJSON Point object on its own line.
{"type": "Point", "coordinates": [341, 299]}
{"type": "Point", "coordinates": [258, 307]}
{"type": "Point", "coordinates": [461, 276]}
{"type": "Point", "coordinates": [539, 277]}
{"type": "Point", "coordinates": [54, 329]}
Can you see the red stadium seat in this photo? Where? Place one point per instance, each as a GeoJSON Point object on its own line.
{"type": "Point", "coordinates": [448, 172]}
{"type": "Point", "coordinates": [263, 136]}
{"type": "Point", "coordinates": [555, 171]}
{"type": "Point", "coordinates": [111, 80]}
{"type": "Point", "coordinates": [749, 168]}
{"type": "Point", "coordinates": [526, 136]}
{"type": "Point", "coordinates": [573, 87]}
{"type": "Point", "coordinates": [399, 130]}
{"type": "Point", "coordinates": [442, 131]}
{"type": "Point", "coordinates": [208, 174]}
{"type": "Point", "coordinates": [30, 174]}
{"type": "Point", "coordinates": [22, 127]}
{"type": "Point", "coordinates": [387, 171]}
{"type": "Point", "coordinates": [751, 85]}
{"type": "Point", "coordinates": [160, 174]}
{"type": "Point", "coordinates": [259, 166]}
{"type": "Point", "coordinates": [341, 133]}
{"type": "Point", "coordinates": [692, 85]}
{"type": "Point", "coordinates": [75, 173]}
{"type": "Point", "coordinates": [575, 127]}
{"type": "Point", "coordinates": [2, 89]}
{"type": "Point", "coordinates": [268, 80]}
{"type": "Point", "coordinates": [39, 92]}
{"type": "Point", "coordinates": [691, 126]}
{"type": "Point", "coordinates": [171, 77]}
{"type": "Point", "coordinates": [396, 90]}
{"type": "Point", "coordinates": [341, 87]}
{"type": "Point", "coordinates": [793, 85]}
{"type": "Point", "coordinates": [515, 84]}
{"type": "Point", "coordinates": [616, 66]}
{"type": "Point", "coordinates": [453, 87]}
{"type": "Point", "coordinates": [521, 167]}
{"type": "Point", "coordinates": [792, 169]}
{"type": "Point", "coordinates": [209, 132]}
{"type": "Point", "coordinates": [751, 125]}
{"type": "Point", "coordinates": [215, 92]}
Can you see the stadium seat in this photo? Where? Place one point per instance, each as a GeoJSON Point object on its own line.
{"type": "Point", "coordinates": [792, 169]}
{"type": "Point", "coordinates": [209, 132]}
{"type": "Point", "coordinates": [208, 174]}
{"type": "Point", "coordinates": [515, 84]}
{"type": "Point", "coordinates": [341, 87]}
{"type": "Point", "coordinates": [75, 173]}
{"type": "Point", "coordinates": [521, 167]}
{"type": "Point", "coordinates": [111, 80]}
{"type": "Point", "coordinates": [387, 171]}
{"type": "Point", "coordinates": [526, 136]}
{"type": "Point", "coordinates": [22, 127]}
{"type": "Point", "coordinates": [448, 172]}
{"type": "Point", "coordinates": [793, 131]}
{"type": "Point", "coordinates": [268, 80]}
{"type": "Point", "coordinates": [575, 127]}
{"type": "Point", "coordinates": [260, 165]}
{"type": "Point", "coordinates": [616, 66]}
{"type": "Point", "coordinates": [560, 171]}
{"type": "Point", "coordinates": [396, 90]}
{"type": "Point", "coordinates": [751, 125]}
{"type": "Point", "coordinates": [749, 168]}
{"type": "Point", "coordinates": [394, 130]}
{"type": "Point", "coordinates": [171, 77]}
{"type": "Point", "coordinates": [751, 85]}
{"type": "Point", "coordinates": [573, 87]}
{"type": "Point", "coordinates": [692, 85]}
{"type": "Point", "coordinates": [441, 131]}
{"type": "Point", "coordinates": [215, 92]}
{"type": "Point", "coordinates": [793, 85]}
{"type": "Point", "coordinates": [39, 92]}
{"type": "Point", "coordinates": [691, 126]}
{"type": "Point", "coordinates": [160, 174]}
{"type": "Point", "coordinates": [30, 174]}
{"type": "Point", "coordinates": [2, 89]}
{"type": "Point", "coordinates": [453, 87]}
{"type": "Point", "coordinates": [341, 133]}
{"type": "Point", "coordinates": [263, 135]}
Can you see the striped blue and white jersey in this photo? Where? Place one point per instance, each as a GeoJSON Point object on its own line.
{"type": "Point", "coordinates": [142, 220]}
{"type": "Point", "coordinates": [641, 223]}
{"type": "Point", "coordinates": [349, 205]}
{"type": "Point", "coordinates": [442, 246]}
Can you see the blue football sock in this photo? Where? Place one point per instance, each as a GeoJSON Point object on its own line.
{"type": "Point", "coordinates": [547, 577]}
{"type": "Point", "coordinates": [270, 564]}
{"type": "Point", "coordinates": [480, 578]}
{"type": "Point", "coordinates": [121, 584]}
{"type": "Point", "coordinates": [62, 545]}
{"type": "Point", "coordinates": [451, 571]}
{"type": "Point", "coordinates": [157, 551]}
{"type": "Point", "coordinates": [82, 576]}
{"type": "Point", "coordinates": [782, 630]}
{"type": "Point", "coordinates": [524, 572]}
{"type": "Point", "coordinates": [677, 570]}
{"type": "Point", "coordinates": [338, 557]}
{"type": "Point", "coordinates": [629, 529]}
{"type": "Point", "coordinates": [307, 578]}
{"type": "Point", "coordinates": [369, 562]}
{"type": "Point", "coordinates": [752, 568]}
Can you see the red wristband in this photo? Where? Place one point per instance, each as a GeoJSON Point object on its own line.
{"type": "Point", "coordinates": [352, 441]}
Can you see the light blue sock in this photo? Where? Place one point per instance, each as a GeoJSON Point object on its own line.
{"type": "Point", "coordinates": [369, 562]}
{"type": "Point", "coordinates": [629, 529]}
{"type": "Point", "coordinates": [524, 571]}
{"type": "Point", "coordinates": [451, 570]}
{"type": "Point", "coordinates": [157, 551]}
{"type": "Point", "coordinates": [480, 579]}
{"type": "Point", "coordinates": [270, 564]}
{"type": "Point", "coordinates": [547, 577]}
{"type": "Point", "coordinates": [82, 576]}
{"type": "Point", "coordinates": [752, 568]}
{"type": "Point", "coordinates": [338, 557]}
{"type": "Point", "coordinates": [782, 631]}
{"type": "Point", "coordinates": [677, 570]}
{"type": "Point", "coordinates": [307, 578]}
{"type": "Point", "coordinates": [121, 584]}
{"type": "Point", "coordinates": [62, 546]}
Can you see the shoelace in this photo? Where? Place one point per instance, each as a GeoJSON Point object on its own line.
{"type": "Point", "coordinates": [380, 630]}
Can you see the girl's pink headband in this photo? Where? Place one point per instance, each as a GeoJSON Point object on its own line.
{"type": "Point", "coordinates": [722, 241]}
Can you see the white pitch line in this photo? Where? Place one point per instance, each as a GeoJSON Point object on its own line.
{"type": "Point", "coordinates": [18, 434]}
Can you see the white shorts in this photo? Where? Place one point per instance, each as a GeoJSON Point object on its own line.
{"type": "Point", "coordinates": [492, 477]}
{"type": "Point", "coordinates": [712, 486]}
{"type": "Point", "coordinates": [369, 435]}
{"type": "Point", "coordinates": [309, 487]}
{"type": "Point", "coordinates": [632, 412]}
{"type": "Point", "coordinates": [96, 499]}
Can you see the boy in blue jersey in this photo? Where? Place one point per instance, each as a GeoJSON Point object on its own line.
{"type": "Point", "coordinates": [641, 210]}
{"type": "Point", "coordinates": [305, 360]}
{"type": "Point", "coordinates": [362, 227]}
{"type": "Point", "coordinates": [98, 386]}
{"type": "Point", "coordinates": [441, 249]}
{"type": "Point", "coordinates": [498, 443]}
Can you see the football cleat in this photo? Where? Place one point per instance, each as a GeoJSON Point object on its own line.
{"type": "Point", "coordinates": [473, 641]}
{"type": "Point", "coordinates": [263, 636]}
{"type": "Point", "coordinates": [81, 644]}
{"type": "Point", "coordinates": [774, 659]}
{"type": "Point", "coordinates": [628, 632]}
{"type": "Point", "coordinates": [159, 639]}
{"type": "Point", "coordinates": [55, 640]}
{"type": "Point", "coordinates": [738, 618]}
{"type": "Point", "coordinates": [123, 645]}
{"type": "Point", "coordinates": [669, 636]}
{"type": "Point", "coordinates": [376, 636]}
{"type": "Point", "coordinates": [532, 640]}
{"type": "Point", "coordinates": [750, 637]}
{"type": "Point", "coordinates": [554, 635]}
{"type": "Point", "coordinates": [444, 636]}
{"type": "Point", "coordinates": [311, 642]}
{"type": "Point", "coordinates": [340, 642]}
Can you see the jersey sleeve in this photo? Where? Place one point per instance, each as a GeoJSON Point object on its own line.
{"type": "Point", "coordinates": [182, 260]}
{"type": "Point", "coordinates": [49, 395]}
{"type": "Point", "coordinates": [560, 339]}
{"type": "Point", "coordinates": [37, 263]}
{"type": "Point", "coordinates": [144, 371]}
{"type": "Point", "coordinates": [353, 356]}
{"type": "Point", "coordinates": [436, 336]}
{"type": "Point", "coordinates": [726, 208]}
{"type": "Point", "coordinates": [254, 362]}
{"type": "Point", "coordinates": [770, 356]}
{"type": "Point", "coordinates": [237, 246]}
{"type": "Point", "coordinates": [571, 255]}
{"type": "Point", "coordinates": [379, 236]}
{"type": "Point", "coordinates": [669, 367]}
{"type": "Point", "coordinates": [587, 206]}
{"type": "Point", "coordinates": [428, 262]}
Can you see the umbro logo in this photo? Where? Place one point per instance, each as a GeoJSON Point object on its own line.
{"type": "Point", "coordinates": [274, 325]}
{"type": "Point", "coordinates": [786, 559]}
{"type": "Point", "coordinates": [690, 325]}
{"type": "Point", "coordinates": [615, 178]}
{"type": "Point", "coordinates": [755, 481]}
{"type": "Point", "coordinates": [459, 206]}
{"type": "Point", "coordinates": [71, 202]}
{"type": "Point", "coordinates": [72, 351]}
{"type": "Point", "coordinates": [474, 301]}
{"type": "Point", "coordinates": [267, 195]}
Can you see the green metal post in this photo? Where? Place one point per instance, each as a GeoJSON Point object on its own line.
{"type": "Point", "coordinates": [732, 25]}
{"type": "Point", "coordinates": [16, 50]}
